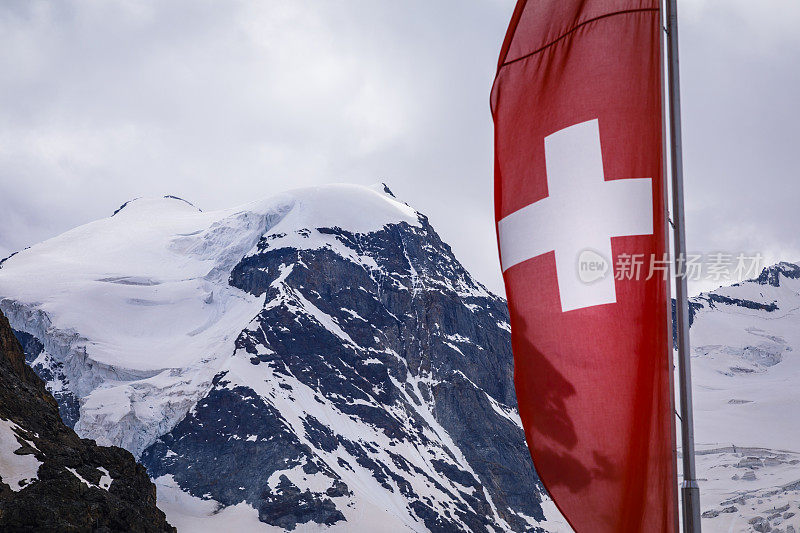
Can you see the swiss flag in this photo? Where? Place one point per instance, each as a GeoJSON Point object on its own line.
{"type": "Point", "coordinates": [579, 187]}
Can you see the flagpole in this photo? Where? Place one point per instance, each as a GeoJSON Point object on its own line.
{"type": "Point", "coordinates": [690, 492]}
{"type": "Point", "coordinates": [669, 358]}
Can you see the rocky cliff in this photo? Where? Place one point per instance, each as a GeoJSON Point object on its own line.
{"type": "Point", "coordinates": [50, 479]}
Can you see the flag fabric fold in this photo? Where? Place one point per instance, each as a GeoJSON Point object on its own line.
{"type": "Point", "coordinates": [579, 202]}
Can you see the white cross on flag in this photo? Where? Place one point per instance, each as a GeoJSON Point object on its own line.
{"type": "Point", "coordinates": [581, 211]}
{"type": "Point", "coordinates": [578, 183]}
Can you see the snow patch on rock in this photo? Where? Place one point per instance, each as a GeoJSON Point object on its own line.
{"type": "Point", "coordinates": [16, 471]}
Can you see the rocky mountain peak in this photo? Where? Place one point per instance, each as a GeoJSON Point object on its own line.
{"type": "Point", "coordinates": [382, 187]}
{"type": "Point", "coordinates": [771, 275]}
{"type": "Point", "coordinates": [154, 204]}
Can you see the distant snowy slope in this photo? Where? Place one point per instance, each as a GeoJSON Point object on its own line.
{"type": "Point", "coordinates": [136, 309]}
{"type": "Point", "coordinates": [319, 358]}
{"type": "Point", "coordinates": [746, 368]}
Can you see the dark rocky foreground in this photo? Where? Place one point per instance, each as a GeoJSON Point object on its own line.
{"type": "Point", "coordinates": [71, 491]}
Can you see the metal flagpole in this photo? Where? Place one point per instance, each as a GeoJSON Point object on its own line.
{"type": "Point", "coordinates": [669, 358]}
{"type": "Point", "coordinates": [690, 492]}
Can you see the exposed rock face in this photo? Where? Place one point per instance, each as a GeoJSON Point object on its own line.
{"type": "Point", "coordinates": [772, 275]}
{"type": "Point", "coordinates": [395, 376]}
{"type": "Point", "coordinates": [51, 480]}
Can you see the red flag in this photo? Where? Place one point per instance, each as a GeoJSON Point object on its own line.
{"type": "Point", "coordinates": [579, 190]}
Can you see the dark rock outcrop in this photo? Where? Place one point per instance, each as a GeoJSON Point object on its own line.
{"type": "Point", "coordinates": [79, 486]}
{"type": "Point", "coordinates": [771, 275]}
{"type": "Point", "coordinates": [387, 333]}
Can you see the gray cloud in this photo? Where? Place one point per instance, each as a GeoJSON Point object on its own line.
{"type": "Point", "coordinates": [741, 115]}
{"type": "Point", "coordinates": [223, 102]}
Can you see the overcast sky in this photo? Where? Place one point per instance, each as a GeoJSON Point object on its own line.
{"type": "Point", "coordinates": [224, 102]}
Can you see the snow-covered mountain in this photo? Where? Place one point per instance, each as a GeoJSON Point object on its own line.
{"type": "Point", "coordinates": [745, 364]}
{"type": "Point", "coordinates": [316, 359]}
